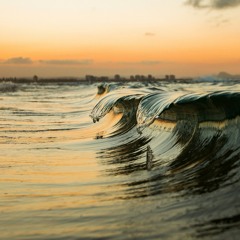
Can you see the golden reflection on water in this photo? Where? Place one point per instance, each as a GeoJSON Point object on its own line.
{"type": "Point", "coordinates": [51, 181]}
{"type": "Point", "coordinates": [49, 169]}
{"type": "Point", "coordinates": [32, 135]}
{"type": "Point", "coordinates": [64, 177]}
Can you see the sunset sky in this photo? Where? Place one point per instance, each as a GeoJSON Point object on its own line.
{"type": "Point", "coordinates": [103, 37]}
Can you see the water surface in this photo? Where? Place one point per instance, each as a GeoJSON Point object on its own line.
{"type": "Point", "coordinates": [134, 161]}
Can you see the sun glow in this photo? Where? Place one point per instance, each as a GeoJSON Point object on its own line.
{"type": "Point", "coordinates": [117, 36]}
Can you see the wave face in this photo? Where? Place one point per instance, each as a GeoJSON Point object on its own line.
{"type": "Point", "coordinates": [121, 161]}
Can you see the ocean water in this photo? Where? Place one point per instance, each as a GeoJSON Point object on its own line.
{"type": "Point", "coordinates": [120, 161]}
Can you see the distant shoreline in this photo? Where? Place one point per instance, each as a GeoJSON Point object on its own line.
{"type": "Point", "coordinates": [91, 80]}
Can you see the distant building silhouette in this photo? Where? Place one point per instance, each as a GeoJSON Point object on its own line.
{"type": "Point", "coordinates": [132, 78]}
{"type": "Point", "coordinates": [150, 77]}
{"type": "Point", "coordinates": [90, 78]}
{"type": "Point", "coordinates": [35, 78]}
{"type": "Point", "coordinates": [170, 77]}
{"type": "Point", "coordinates": [103, 78]}
{"type": "Point", "coordinates": [167, 77]}
{"type": "Point", "coordinates": [117, 77]}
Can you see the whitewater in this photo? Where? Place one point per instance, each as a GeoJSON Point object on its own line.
{"type": "Point", "coordinates": [133, 160]}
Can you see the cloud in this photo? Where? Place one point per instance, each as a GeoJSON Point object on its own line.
{"type": "Point", "coordinates": [67, 62]}
{"type": "Point", "coordinates": [22, 60]}
{"type": "Point", "coordinates": [150, 62]}
{"type": "Point", "coordinates": [149, 34]}
{"type": "Point", "coordinates": [218, 21]}
{"type": "Point", "coordinates": [18, 60]}
{"type": "Point", "coordinates": [213, 4]}
{"type": "Point", "coordinates": [144, 62]}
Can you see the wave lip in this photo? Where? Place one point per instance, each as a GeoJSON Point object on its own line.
{"type": "Point", "coordinates": [216, 106]}
{"type": "Point", "coordinates": [120, 100]}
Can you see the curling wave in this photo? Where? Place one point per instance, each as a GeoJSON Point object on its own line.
{"type": "Point", "coordinates": [216, 106]}
{"type": "Point", "coordinates": [189, 141]}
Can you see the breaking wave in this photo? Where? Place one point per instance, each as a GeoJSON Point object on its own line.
{"type": "Point", "coordinates": [189, 142]}
{"type": "Point", "coordinates": [8, 87]}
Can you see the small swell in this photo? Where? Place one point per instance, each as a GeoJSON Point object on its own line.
{"type": "Point", "coordinates": [8, 87]}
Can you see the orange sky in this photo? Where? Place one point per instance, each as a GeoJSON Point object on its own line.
{"type": "Point", "coordinates": [78, 37]}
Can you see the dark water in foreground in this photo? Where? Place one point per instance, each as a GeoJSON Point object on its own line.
{"type": "Point", "coordinates": [161, 161]}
